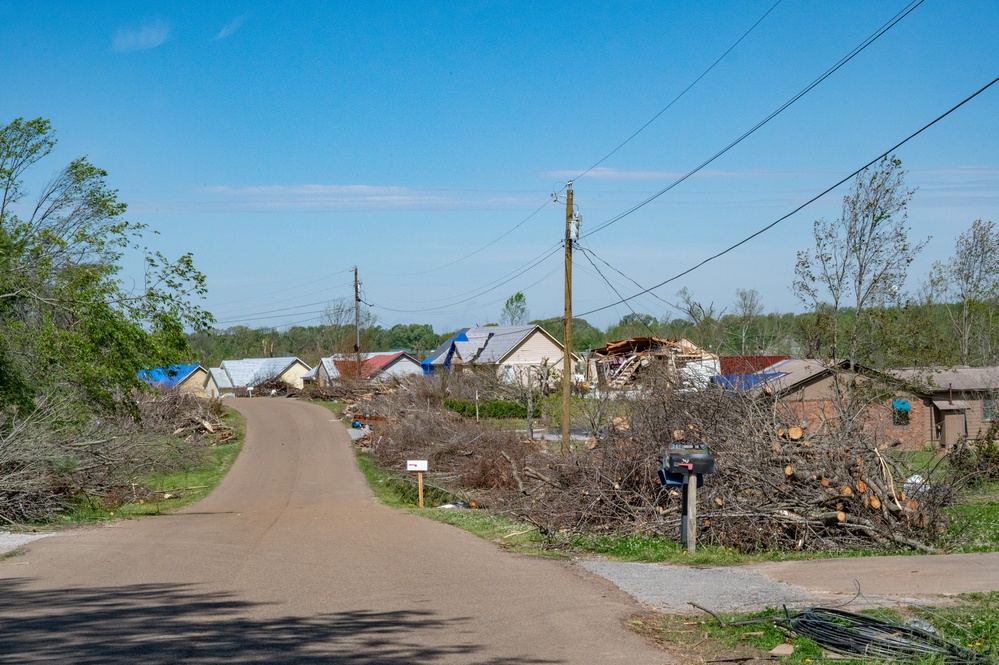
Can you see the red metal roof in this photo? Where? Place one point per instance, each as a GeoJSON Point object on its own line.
{"type": "Point", "coordinates": [369, 367]}
{"type": "Point", "coordinates": [747, 364]}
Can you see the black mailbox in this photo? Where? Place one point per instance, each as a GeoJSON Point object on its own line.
{"type": "Point", "coordinates": [689, 460]}
{"type": "Point", "coordinates": [682, 461]}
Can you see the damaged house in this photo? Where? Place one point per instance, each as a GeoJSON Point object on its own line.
{"type": "Point", "coordinates": [620, 365]}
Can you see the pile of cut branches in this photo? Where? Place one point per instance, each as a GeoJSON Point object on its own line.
{"type": "Point", "coordinates": [177, 414]}
{"type": "Point", "coordinates": [775, 486]}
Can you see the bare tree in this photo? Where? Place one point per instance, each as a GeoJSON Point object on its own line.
{"type": "Point", "coordinates": [705, 319]}
{"type": "Point", "coordinates": [337, 335]}
{"type": "Point", "coordinates": [969, 281]}
{"type": "Point", "coordinates": [862, 258]}
{"type": "Point", "coordinates": [748, 309]}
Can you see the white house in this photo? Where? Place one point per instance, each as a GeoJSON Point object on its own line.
{"type": "Point", "coordinates": [251, 372]}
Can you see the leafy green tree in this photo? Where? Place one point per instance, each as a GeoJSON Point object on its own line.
{"type": "Point", "coordinates": [584, 335]}
{"type": "Point", "coordinates": [634, 325]}
{"type": "Point", "coordinates": [515, 311]}
{"type": "Point", "coordinates": [68, 322]}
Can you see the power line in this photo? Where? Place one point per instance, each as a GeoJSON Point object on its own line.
{"type": "Point", "coordinates": [478, 294]}
{"type": "Point", "coordinates": [684, 92]}
{"type": "Point", "coordinates": [477, 289]}
{"type": "Point", "coordinates": [481, 249]}
{"type": "Point", "coordinates": [654, 295]}
{"type": "Point", "coordinates": [805, 204]}
{"type": "Point", "coordinates": [285, 290]}
{"type": "Point", "coordinates": [608, 155]}
{"type": "Point", "coordinates": [847, 58]}
{"type": "Point", "coordinates": [616, 292]}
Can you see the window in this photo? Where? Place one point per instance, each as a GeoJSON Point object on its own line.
{"type": "Point", "coordinates": [989, 409]}
{"type": "Point", "coordinates": [900, 412]}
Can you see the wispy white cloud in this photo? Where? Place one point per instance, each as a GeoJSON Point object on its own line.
{"type": "Point", "coordinates": [232, 26]}
{"type": "Point", "coordinates": [145, 37]}
{"type": "Point", "coordinates": [317, 197]}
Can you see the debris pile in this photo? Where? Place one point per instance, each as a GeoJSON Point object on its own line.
{"type": "Point", "coordinates": [621, 364]}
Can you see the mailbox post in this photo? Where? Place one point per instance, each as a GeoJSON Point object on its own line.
{"type": "Point", "coordinates": [418, 465]}
{"type": "Point", "coordinates": [685, 466]}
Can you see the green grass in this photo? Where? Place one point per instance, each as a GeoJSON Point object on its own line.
{"type": "Point", "coordinates": [975, 523]}
{"type": "Point", "coordinates": [196, 475]}
{"type": "Point", "coordinates": [337, 408]}
{"type": "Point", "coordinates": [401, 491]}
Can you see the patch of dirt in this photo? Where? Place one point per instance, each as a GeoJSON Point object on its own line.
{"type": "Point", "coordinates": [689, 641]}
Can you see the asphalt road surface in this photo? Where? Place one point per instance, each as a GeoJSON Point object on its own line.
{"type": "Point", "coordinates": [290, 560]}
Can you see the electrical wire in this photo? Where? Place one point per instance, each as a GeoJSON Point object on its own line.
{"type": "Point", "coordinates": [608, 155]}
{"type": "Point", "coordinates": [616, 292]}
{"type": "Point", "coordinates": [684, 92]}
{"type": "Point", "coordinates": [481, 249]}
{"type": "Point", "coordinates": [654, 295]}
{"type": "Point", "coordinates": [829, 72]}
{"type": "Point", "coordinates": [543, 254]}
{"type": "Point", "coordinates": [279, 291]}
{"type": "Point", "coordinates": [803, 205]}
{"type": "Point", "coordinates": [459, 302]}
{"type": "Point", "coordinates": [853, 634]}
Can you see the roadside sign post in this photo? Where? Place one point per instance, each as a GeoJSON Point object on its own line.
{"type": "Point", "coordinates": [418, 465]}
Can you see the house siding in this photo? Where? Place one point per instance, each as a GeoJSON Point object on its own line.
{"type": "Point", "coordinates": [194, 383]}
{"type": "Point", "coordinates": [534, 351]}
{"type": "Point", "coordinates": [293, 375]}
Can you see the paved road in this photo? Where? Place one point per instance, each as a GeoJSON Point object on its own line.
{"type": "Point", "coordinates": [290, 560]}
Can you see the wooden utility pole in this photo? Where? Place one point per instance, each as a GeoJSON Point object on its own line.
{"type": "Point", "coordinates": [567, 322]}
{"type": "Point", "coordinates": [357, 325]}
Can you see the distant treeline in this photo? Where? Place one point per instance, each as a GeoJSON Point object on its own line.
{"type": "Point", "coordinates": [909, 334]}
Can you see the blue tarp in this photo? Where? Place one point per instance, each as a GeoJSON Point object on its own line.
{"type": "Point", "coordinates": [900, 404]}
{"type": "Point", "coordinates": [434, 360]}
{"type": "Point", "coordinates": [167, 377]}
{"type": "Point", "coordinates": [741, 382]}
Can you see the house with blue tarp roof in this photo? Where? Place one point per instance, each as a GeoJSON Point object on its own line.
{"type": "Point", "coordinates": [512, 352]}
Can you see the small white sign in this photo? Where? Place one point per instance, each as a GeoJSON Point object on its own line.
{"type": "Point", "coordinates": [416, 465]}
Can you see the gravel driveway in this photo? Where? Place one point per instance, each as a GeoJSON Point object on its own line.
{"type": "Point", "coordinates": [11, 541]}
{"type": "Point", "coordinates": [671, 589]}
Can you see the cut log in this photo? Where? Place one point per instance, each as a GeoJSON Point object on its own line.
{"type": "Point", "coordinates": [841, 516]}
{"type": "Point", "coordinates": [875, 503]}
{"type": "Point", "coordinates": [861, 486]}
{"type": "Point", "coordinates": [788, 470]}
{"type": "Point", "coordinates": [781, 432]}
{"type": "Point", "coordinates": [845, 490]}
{"type": "Point", "coordinates": [795, 433]}
{"type": "Point", "coordinates": [825, 482]}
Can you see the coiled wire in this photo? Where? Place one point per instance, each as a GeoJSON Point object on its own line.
{"type": "Point", "coordinates": [852, 634]}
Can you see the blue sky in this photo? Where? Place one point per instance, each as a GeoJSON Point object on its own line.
{"type": "Point", "coordinates": [285, 143]}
